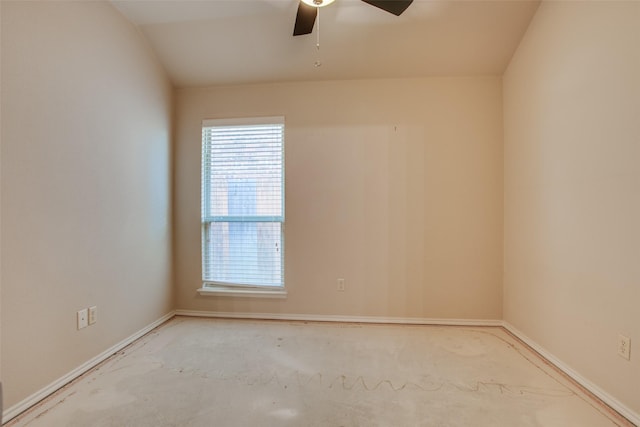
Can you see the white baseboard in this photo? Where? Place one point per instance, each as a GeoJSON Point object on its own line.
{"type": "Point", "coordinates": [25, 404]}
{"type": "Point", "coordinates": [591, 387]}
{"type": "Point", "coordinates": [597, 391]}
{"type": "Point", "coordinates": [30, 401]}
{"type": "Point", "coordinates": [340, 318]}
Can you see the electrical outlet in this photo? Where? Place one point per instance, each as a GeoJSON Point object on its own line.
{"type": "Point", "coordinates": [83, 318]}
{"type": "Point", "coordinates": [93, 314]}
{"type": "Point", "coordinates": [341, 285]}
{"type": "Point", "coordinates": [624, 346]}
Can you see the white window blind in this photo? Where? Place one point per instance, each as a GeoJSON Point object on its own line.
{"type": "Point", "coordinates": [243, 201]}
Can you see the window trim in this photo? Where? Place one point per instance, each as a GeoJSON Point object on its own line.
{"type": "Point", "coordinates": [213, 288]}
{"type": "Point", "coordinates": [209, 289]}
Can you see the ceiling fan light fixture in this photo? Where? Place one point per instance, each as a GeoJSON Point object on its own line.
{"type": "Point", "coordinates": [308, 10]}
{"type": "Point", "coordinates": [318, 3]}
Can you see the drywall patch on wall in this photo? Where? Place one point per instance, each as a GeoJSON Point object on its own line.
{"type": "Point", "coordinates": [393, 185]}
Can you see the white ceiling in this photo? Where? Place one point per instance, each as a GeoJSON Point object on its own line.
{"type": "Point", "coordinates": [213, 42]}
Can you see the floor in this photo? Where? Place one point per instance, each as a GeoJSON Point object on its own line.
{"type": "Point", "coordinates": [213, 372]}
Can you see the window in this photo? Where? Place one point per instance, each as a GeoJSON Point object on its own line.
{"type": "Point", "coordinates": [243, 202]}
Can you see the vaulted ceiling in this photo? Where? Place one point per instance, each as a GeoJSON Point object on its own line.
{"type": "Point", "coordinates": [215, 42]}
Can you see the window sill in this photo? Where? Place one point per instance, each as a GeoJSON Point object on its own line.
{"type": "Point", "coordinates": [252, 292]}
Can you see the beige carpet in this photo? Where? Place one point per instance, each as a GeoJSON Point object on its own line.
{"type": "Point", "coordinates": [208, 372]}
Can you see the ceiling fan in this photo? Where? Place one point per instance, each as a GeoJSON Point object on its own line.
{"type": "Point", "coordinates": [308, 10]}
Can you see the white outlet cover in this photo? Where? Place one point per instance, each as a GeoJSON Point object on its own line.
{"type": "Point", "coordinates": [624, 347]}
{"type": "Point", "coordinates": [83, 318]}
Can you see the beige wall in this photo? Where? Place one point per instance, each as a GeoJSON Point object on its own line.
{"type": "Point", "coordinates": [393, 185]}
{"type": "Point", "coordinates": [572, 188]}
{"type": "Point", "coordinates": [85, 187]}
{"type": "Point", "coordinates": [1, 215]}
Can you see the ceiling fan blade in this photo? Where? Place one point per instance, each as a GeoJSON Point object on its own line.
{"type": "Point", "coordinates": [392, 6]}
{"type": "Point", "coordinates": [305, 19]}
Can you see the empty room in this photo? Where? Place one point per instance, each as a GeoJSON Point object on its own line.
{"type": "Point", "coordinates": [320, 213]}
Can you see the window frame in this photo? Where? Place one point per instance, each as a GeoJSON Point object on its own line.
{"type": "Point", "coordinates": [212, 287]}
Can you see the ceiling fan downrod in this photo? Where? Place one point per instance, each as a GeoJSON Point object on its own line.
{"type": "Point", "coordinates": [318, 63]}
